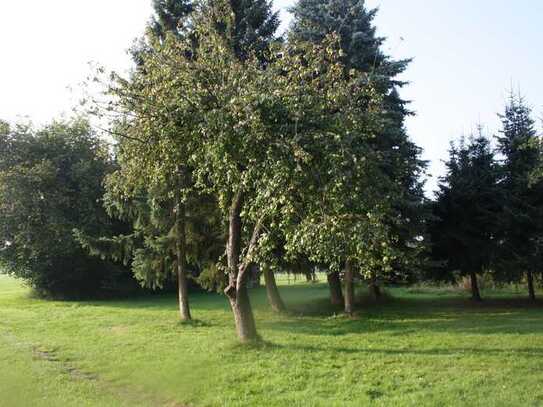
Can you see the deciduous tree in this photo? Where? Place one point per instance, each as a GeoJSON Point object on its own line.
{"type": "Point", "coordinates": [399, 157]}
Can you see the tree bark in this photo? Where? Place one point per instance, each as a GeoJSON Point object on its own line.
{"type": "Point", "coordinates": [237, 292]}
{"type": "Point", "coordinates": [349, 288]}
{"type": "Point", "coordinates": [274, 297]}
{"type": "Point", "coordinates": [531, 289]}
{"type": "Point", "coordinates": [180, 248]}
{"type": "Point", "coordinates": [334, 282]}
{"type": "Point", "coordinates": [375, 290]}
{"type": "Point", "coordinates": [475, 294]}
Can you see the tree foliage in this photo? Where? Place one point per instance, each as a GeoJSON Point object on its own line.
{"type": "Point", "coordinates": [465, 228]}
{"type": "Point", "coordinates": [51, 181]}
{"type": "Point", "coordinates": [521, 218]}
{"type": "Point", "coordinates": [398, 157]}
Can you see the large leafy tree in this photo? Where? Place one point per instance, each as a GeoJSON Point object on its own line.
{"type": "Point", "coordinates": [522, 216]}
{"type": "Point", "coordinates": [341, 217]}
{"type": "Point", "coordinates": [398, 157]}
{"type": "Point", "coordinates": [465, 224]}
{"type": "Point", "coordinates": [51, 181]}
{"type": "Point", "coordinates": [160, 198]}
{"type": "Point", "coordinates": [153, 186]}
{"type": "Point", "coordinates": [255, 135]}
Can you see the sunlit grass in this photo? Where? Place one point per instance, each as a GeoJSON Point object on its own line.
{"type": "Point", "coordinates": [415, 349]}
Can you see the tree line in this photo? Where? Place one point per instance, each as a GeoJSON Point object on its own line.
{"type": "Point", "coordinates": [238, 151]}
{"type": "Point", "coordinates": [487, 215]}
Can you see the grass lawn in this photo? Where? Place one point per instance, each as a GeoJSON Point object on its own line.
{"type": "Point", "coordinates": [424, 348]}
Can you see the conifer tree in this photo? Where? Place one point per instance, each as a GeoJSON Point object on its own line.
{"type": "Point", "coordinates": [465, 212]}
{"type": "Point", "coordinates": [254, 26]}
{"type": "Point", "coordinates": [169, 16]}
{"type": "Point", "coordinates": [522, 213]}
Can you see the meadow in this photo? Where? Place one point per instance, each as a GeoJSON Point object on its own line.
{"type": "Point", "coordinates": [425, 347]}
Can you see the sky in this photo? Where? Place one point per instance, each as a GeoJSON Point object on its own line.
{"type": "Point", "coordinates": [467, 55]}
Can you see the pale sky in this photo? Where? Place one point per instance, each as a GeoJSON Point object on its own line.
{"type": "Point", "coordinates": [467, 54]}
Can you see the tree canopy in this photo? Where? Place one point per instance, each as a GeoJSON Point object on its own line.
{"type": "Point", "coordinates": [51, 183]}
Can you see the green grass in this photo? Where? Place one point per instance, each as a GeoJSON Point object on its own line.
{"type": "Point", "coordinates": [423, 348]}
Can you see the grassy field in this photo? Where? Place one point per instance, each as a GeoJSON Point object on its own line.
{"type": "Point", "coordinates": [423, 347]}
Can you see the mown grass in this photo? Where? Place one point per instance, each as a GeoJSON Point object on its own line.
{"type": "Point", "coordinates": [430, 348]}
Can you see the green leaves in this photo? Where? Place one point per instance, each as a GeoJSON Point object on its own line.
{"type": "Point", "coordinates": [50, 183]}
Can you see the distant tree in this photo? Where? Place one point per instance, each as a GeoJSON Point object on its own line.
{"type": "Point", "coordinates": [400, 158]}
{"type": "Point", "coordinates": [521, 229]}
{"type": "Point", "coordinates": [466, 210]}
{"type": "Point", "coordinates": [51, 181]}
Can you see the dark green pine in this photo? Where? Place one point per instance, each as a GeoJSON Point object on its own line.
{"type": "Point", "coordinates": [466, 211]}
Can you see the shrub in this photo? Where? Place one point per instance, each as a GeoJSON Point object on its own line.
{"type": "Point", "coordinates": [50, 183]}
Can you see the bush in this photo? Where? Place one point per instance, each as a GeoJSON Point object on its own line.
{"type": "Point", "coordinates": [51, 183]}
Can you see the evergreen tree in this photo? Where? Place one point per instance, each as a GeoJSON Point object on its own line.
{"type": "Point", "coordinates": [251, 31]}
{"type": "Point", "coordinates": [353, 22]}
{"type": "Point", "coordinates": [465, 212]}
{"type": "Point", "coordinates": [169, 16]}
{"type": "Point", "coordinates": [254, 26]}
{"type": "Point", "coordinates": [522, 213]}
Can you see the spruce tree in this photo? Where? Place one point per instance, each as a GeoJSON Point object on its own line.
{"type": "Point", "coordinates": [353, 22]}
{"type": "Point", "coordinates": [522, 212]}
{"type": "Point", "coordinates": [466, 211]}
{"type": "Point", "coordinates": [169, 16]}
{"type": "Point", "coordinates": [254, 27]}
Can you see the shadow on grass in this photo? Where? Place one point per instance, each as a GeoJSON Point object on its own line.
{"type": "Point", "coordinates": [449, 351]}
{"type": "Point", "coordinates": [195, 323]}
{"type": "Point", "coordinates": [310, 312]}
{"type": "Point", "coordinates": [413, 316]}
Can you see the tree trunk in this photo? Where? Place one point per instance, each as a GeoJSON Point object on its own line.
{"type": "Point", "coordinates": [531, 289]}
{"type": "Point", "coordinates": [375, 290]}
{"type": "Point", "coordinates": [180, 248]}
{"type": "Point", "coordinates": [349, 288]}
{"type": "Point", "coordinates": [475, 294]}
{"type": "Point", "coordinates": [256, 272]}
{"type": "Point", "coordinates": [243, 314]}
{"type": "Point", "coordinates": [310, 276]}
{"type": "Point", "coordinates": [237, 291]}
{"type": "Point", "coordinates": [336, 297]}
{"type": "Point", "coordinates": [274, 298]}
